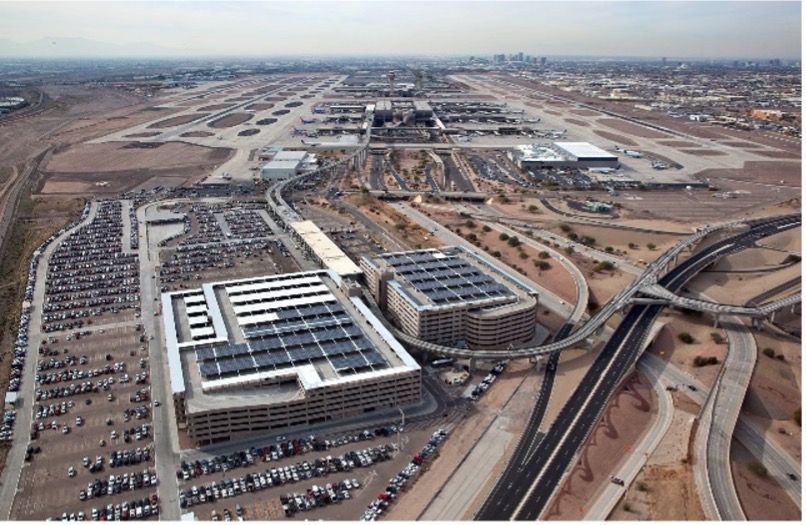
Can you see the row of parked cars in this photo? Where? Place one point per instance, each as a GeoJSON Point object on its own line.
{"type": "Point", "coordinates": [21, 343]}
{"type": "Point", "coordinates": [89, 275]}
{"type": "Point", "coordinates": [404, 478]}
{"type": "Point", "coordinates": [317, 496]}
{"type": "Point", "coordinates": [488, 380]}
{"type": "Point", "coordinates": [7, 428]}
{"type": "Point", "coordinates": [118, 483]}
{"type": "Point", "coordinates": [274, 452]}
{"type": "Point", "coordinates": [282, 475]}
{"type": "Point", "coordinates": [128, 510]}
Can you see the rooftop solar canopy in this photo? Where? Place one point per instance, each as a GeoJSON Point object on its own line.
{"type": "Point", "coordinates": [294, 332]}
{"type": "Point", "coordinates": [445, 278]}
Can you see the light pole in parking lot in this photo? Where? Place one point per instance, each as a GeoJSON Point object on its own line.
{"type": "Point", "coordinates": [400, 428]}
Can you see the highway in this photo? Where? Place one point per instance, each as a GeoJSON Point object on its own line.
{"type": "Point", "coordinates": [531, 488]}
{"type": "Point", "coordinates": [607, 499]}
{"type": "Point", "coordinates": [730, 391]}
{"type": "Point", "coordinates": [772, 455]}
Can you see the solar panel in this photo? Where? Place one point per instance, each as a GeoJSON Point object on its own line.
{"type": "Point", "coordinates": [205, 354]}
{"type": "Point", "coordinates": [208, 369]}
{"type": "Point", "coordinates": [374, 357]}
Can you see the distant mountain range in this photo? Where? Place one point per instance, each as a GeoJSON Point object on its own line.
{"type": "Point", "coordinates": [60, 47]}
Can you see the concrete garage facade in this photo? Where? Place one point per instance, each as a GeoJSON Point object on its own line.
{"type": "Point", "coordinates": [452, 296]}
{"type": "Point", "coordinates": [279, 351]}
{"type": "Point", "coordinates": [563, 155]}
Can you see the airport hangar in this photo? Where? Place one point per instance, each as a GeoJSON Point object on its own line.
{"type": "Point", "coordinates": [563, 155]}
{"type": "Point", "coordinates": [273, 352]}
{"type": "Point", "coordinates": [452, 296]}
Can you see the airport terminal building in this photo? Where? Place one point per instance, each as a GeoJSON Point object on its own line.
{"type": "Point", "coordinates": [452, 296]}
{"type": "Point", "coordinates": [273, 352]}
{"type": "Point", "coordinates": [562, 155]}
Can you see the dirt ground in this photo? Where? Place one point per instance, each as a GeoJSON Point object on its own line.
{"type": "Point", "coordinates": [620, 139]}
{"type": "Point", "coordinates": [230, 120]}
{"type": "Point", "coordinates": [177, 121]}
{"type": "Point", "coordinates": [762, 499]}
{"type": "Point", "coordinates": [142, 134]}
{"type": "Point", "coordinates": [259, 106]}
{"type": "Point", "coordinates": [631, 129]}
{"type": "Point", "coordinates": [197, 134]}
{"type": "Point", "coordinates": [678, 143]}
{"type": "Point", "coordinates": [465, 436]}
{"type": "Point", "coordinates": [670, 348]}
{"type": "Point", "coordinates": [577, 122]}
{"type": "Point", "coordinates": [763, 172]}
{"type": "Point", "coordinates": [776, 154]}
{"type": "Point", "coordinates": [214, 107]}
{"type": "Point", "coordinates": [625, 419]}
{"type": "Point", "coordinates": [116, 156]}
{"type": "Point", "coordinates": [556, 279]}
{"type": "Point", "coordinates": [703, 152]}
{"type": "Point", "coordinates": [585, 112]}
{"type": "Point", "coordinates": [670, 495]}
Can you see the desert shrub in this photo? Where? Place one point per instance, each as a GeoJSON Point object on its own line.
{"type": "Point", "coordinates": [757, 468]}
{"type": "Point", "coordinates": [705, 361]}
{"type": "Point", "coordinates": [685, 337]}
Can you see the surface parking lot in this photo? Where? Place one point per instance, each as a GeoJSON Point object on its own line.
{"type": "Point", "coordinates": [220, 239]}
{"type": "Point", "coordinates": [89, 425]}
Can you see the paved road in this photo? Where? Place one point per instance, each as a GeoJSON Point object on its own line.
{"type": "Point", "coordinates": [543, 472]}
{"type": "Point", "coordinates": [547, 298]}
{"type": "Point", "coordinates": [603, 505]}
{"type": "Point", "coordinates": [15, 461]}
{"type": "Point", "coordinates": [619, 262]}
{"type": "Point", "coordinates": [731, 389]}
{"type": "Point", "coordinates": [772, 455]}
{"type": "Point", "coordinates": [580, 282]}
{"type": "Point", "coordinates": [166, 439]}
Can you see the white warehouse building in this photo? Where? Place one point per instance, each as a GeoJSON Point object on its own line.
{"type": "Point", "coordinates": [284, 165]}
{"type": "Point", "coordinates": [563, 155]}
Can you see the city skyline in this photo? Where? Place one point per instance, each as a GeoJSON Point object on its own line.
{"type": "Point", "coordinates": [715, 30]}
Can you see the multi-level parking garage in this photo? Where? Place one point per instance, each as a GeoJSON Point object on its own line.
{"type": "Point", "coordinates": [281, 351]}
{"type": "Point", "coordinates": [450, 296]}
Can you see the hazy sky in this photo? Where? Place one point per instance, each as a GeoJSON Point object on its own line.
{"type": "Point", "coordinates": [640, 28]}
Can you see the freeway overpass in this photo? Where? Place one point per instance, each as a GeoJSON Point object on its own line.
{"type": "Point", "coordinates": [760, 311]}
{"type": "Point", "coordinates": [524, 494]}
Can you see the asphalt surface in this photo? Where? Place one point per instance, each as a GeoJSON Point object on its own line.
{"type": "Point", "coordinates": [601, 508]}
{"type": "Point", "coordinates": [777, 461]}
{"type": "Point", "coordinates": [166, 438]}
{"type": "Point", "coordinates": [531, 488]}
{"type": "Point", "coordinates": [26, 396]}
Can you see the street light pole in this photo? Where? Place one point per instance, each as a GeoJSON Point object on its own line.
{"type": "Point", "coordinates": [402, 424]}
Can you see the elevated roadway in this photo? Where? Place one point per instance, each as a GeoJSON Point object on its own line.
{"type": "Point", "coordinates": [530, 489]}
{"type": "Point", "coordinates": [778, 462]}
{"type": "Point", "coordinates": [606, 501]}
{"type": "Point", "coordinates": [759, 311]}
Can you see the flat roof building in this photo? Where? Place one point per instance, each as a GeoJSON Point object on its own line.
{"type": "Point", "coordinates": [563, 155]}
{"type": "Point", "coordinates": [452, 296]}
{"type": "Point", "coordinates": [279, 351]}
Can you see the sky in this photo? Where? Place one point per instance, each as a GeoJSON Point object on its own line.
{"type": "Point", "coordinates": [678, 29]}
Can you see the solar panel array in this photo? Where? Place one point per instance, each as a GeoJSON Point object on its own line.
{"type": "Point", "coordinates": [445, 280]}
{"type": "Point", "coordinates": [299, 336]}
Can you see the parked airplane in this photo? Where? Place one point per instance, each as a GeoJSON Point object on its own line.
{"type": "Point", "coordinates": [308, 120]}
{"type": "Point", "coordinates": [307, 132]}
{"type": "Point", "coordinates": [633, 153]}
